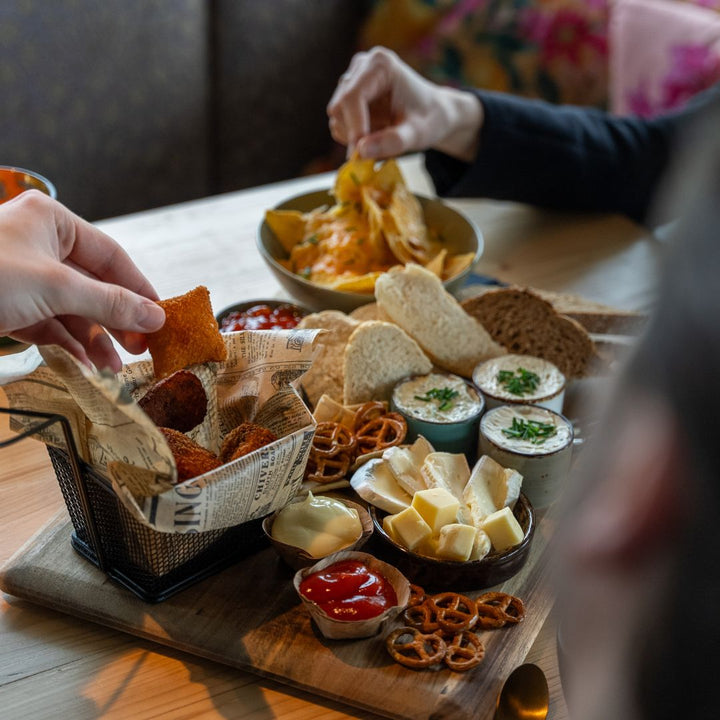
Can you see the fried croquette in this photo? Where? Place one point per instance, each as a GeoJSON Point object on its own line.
{"type": "Point", "coordinates": [191, 459]}
{"type": "Point", "coordinates": [243, 439]}
{"type": "Point", "coordinates": [190, 335]}
{"type": "Point", "coordinates": [178, 401]}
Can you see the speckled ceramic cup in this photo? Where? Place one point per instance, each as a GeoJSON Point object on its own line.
{"type": "Point", "coordinates": [543, 460]}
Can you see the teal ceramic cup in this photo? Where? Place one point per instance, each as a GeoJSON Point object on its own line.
{"type": "Point", "coordinates": [445, 409]}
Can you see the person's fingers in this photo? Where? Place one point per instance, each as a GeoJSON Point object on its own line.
{"type": "Point", "coordinates": [97, 343]}
{"type": "Point", "coordinates": [72, 293]}
{"type": "Point", "coordinates": [391, 142]}
{"type": "Point", "coordinates": [98, 254]}
{"type": "Point", "coordinates": [52, 332]}
{"type": "Point", "coordinates": [133, 342]}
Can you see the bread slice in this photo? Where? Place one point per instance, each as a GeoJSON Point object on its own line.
{"type": "Point", "coordinates": [377, 356]}
{"type": "Point", "coordinates": [523, 323]}
{"type": "Point", "coordinates": [326, 374]}
{"type": "Point", "coordinates": [416, 300]}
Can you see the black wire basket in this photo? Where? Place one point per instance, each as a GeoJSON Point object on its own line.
{"type": "Point", "coordinates": [151, 564]}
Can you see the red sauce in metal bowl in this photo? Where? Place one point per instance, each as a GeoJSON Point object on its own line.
{"type": "Point", "coordinates": [349, 590]}
{"type": "Point", "coordinates": [262, 317]}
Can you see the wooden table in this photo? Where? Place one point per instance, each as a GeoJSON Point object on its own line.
{"type": "Point", "coordinates": [55, 665]}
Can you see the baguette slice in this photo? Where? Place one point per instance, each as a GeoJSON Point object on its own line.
{"type": "Point", "coordinates": [416, 300]}
{"type": "Point", "coordinates": [326, 374]}
{"type": "Point", "coordinates": [377, 356]}
{"type": "Point", "coordinates": [523, 323]}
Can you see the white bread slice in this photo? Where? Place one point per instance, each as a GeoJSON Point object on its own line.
{"type": "Point", "coordinates": [504, 484]}
{"type": "Point", "coordinates": [378, 355]}
{"type": "Point", "coordinates": [326, 374]}
{"type": "Point", "coordinates": [526, 324]}
{"type": "Point", "coordinates": [416, 300]}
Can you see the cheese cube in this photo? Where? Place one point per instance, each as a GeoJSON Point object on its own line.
{"type": "Point", "coordinates": [503, 529]}
{"type": "Point", "coordinates": [428, 547]}
{"type": "Point", "coordinates": [407, 528]}
{"type": "Point", "coordinates": [455, 541]}
{"type": "Point", "coordinates": [437, 506]}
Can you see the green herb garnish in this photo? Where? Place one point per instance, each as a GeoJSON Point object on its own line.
{"type": "Point", "coordinates": [305, 272]}
{"type": "Point", "coordinates": [313, 240]}
{"type": "Point", "coordinates": [532, 430]}
{"type": "Point", "coordinates": [355, 178]}
{"type": "Point", "coordinates": [444, 397]}
{"type": "Point", "coordinates": [520, 382]}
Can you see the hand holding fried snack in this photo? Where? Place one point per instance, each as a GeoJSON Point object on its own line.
{"type": "Point", "coordinates": [190, 335]}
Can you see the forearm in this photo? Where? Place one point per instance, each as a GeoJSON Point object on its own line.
{"type": "Point", "coordinates": [565, 157]}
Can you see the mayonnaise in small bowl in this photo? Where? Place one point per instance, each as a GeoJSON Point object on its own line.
{"type": "Point", "coordinates": [443, 408]}
{"type": "Point", "coordinates": [536, 442]}
{"type": "Point", "coordinates": [522, 380]}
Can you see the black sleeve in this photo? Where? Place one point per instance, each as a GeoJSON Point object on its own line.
{"type": "Point", "coordinates": [566, 157]}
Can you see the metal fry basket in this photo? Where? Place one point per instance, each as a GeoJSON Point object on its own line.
{"type": "Point", "coordinates": [151, 564]}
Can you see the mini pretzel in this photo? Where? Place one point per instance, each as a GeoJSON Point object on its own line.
{"type": "Point", "coordinates": [511, 608]}
{"type": "Point", "coordinates": [332, 439]}
{"type": "Point", "coordinates": [417, 596]}
{"type": "Point", "coordinates": [381, 432]}
{"type": "Point", "coordinates": [368, 411]}
{"type": "Point", "coordinates": [414, 649]}
{"type": "Point", "coordinates": [328, 469]}
{"type": "Point", "coordinates": [464, 651]}
{"type": "Point", "coordinates": [421, 617]}
{"type": "Point", "coordinates": [454, 612]}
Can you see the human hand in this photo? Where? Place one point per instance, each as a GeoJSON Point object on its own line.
{"type": "Point", "coordinates": [382, 108]}
{"type": "Point", "coordinates": [62, 281]}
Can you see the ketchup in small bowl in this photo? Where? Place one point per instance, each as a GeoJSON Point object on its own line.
{"type": "Point", "coordinates": [352, 594]}
{"type": "Point", "coordinates": [260, 315]}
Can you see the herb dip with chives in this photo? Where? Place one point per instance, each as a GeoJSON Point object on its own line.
{"type": "Point", "coordinates": [437, 397]}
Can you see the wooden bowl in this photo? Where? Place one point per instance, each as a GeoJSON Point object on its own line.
{"type": "Point", "coordinates": [433, 574]}
{"type": "Point", "coordinates": [298, 558]}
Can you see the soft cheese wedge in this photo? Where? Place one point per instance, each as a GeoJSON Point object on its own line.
{"type": "Point", "coordinates": [375, 483]}
{"type": "Point", "coordinates": [447, 470]}
{"type": "Point", "coordinates": [405, 464]}
{"type": "Point", "coordinates": [490, 488]}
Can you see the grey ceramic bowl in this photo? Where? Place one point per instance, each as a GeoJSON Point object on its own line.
{"type": "Point", "coordinates": [435, 575]}
{"type": "Point", "coordinates": [459, 233]}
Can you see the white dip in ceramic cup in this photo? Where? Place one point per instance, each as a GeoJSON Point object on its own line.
{"type": "Point", "coordinates": [520, 380]}
{"type": "Point", "coordinates": [443, 408]}
{"type": "Point", "coordinates": [536, 442]}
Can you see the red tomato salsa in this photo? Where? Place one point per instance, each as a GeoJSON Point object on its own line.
{"type": "Point", "coordinates": [262, 317]}
{"type": "Point", "coordinates": [349, 590]}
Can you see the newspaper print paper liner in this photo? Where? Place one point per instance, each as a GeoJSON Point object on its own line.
{"type": "Point", "coordinates": [116, 437]}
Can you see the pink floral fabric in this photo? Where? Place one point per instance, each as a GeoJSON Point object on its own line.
{"type": "Point", "coordinates": [559, 50]}
{"type": "Point", "coordinates": [662, 53]}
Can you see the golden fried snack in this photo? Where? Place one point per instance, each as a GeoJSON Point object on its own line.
{"type": "Point", "coordinates": [191, 459]}
{"type": "Point", "coordinates": [243, 439]}
{"type": "Point", "coordinates": [190, 335]}
{"type": "Point", "coordinates": [178, 401]}
{"type": "Point", "coordinates": [414, 649]}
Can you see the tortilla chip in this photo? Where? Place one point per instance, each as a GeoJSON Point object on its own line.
{"type": "Point", "coordinates": [436, 265]}
{"type": "Point", "coordinates": [412, 235]}
{"type": "Point", "coordinates": [287, 225]}
{"type": "Point", "coordinates": [350, 180]}
{"type": "Point", "coordinates": [357, 283]}
{"type": "Point", "coordinates": [190, 335]}
{"type": "Point", "coordinates": [455, 264]}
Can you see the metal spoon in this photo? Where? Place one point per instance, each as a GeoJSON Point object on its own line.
{"type": "Point", "coordinates": [524, 696]}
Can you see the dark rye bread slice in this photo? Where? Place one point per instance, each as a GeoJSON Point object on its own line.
{"type": "Point", "coordinates": [524, 323]}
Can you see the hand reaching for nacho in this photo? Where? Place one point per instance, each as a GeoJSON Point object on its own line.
{"type": "Point", "coordinates": [62, 282]}
{"type": "Point", "coordinates": [382, 108]}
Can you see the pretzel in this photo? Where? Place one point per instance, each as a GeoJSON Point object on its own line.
{"type": "Point", "coordinates": [414, 649]}
{"type": "Point", "coordinates": [421, 617]}
{"type": "Point", "coordinates": [417, 596]}
{"type": "Point", "coordinates": [368, 411]}
{"type": "Point", "coordinates": [381, 432]}
{"type": "Point", "coordinates": [464, 651]}
{"type": "Point", "coordinates": [332, 439]}
{"type": "Point", "coordinates": [328, 469]}
{"type": "Point", "coordinates": [454, 612]}
{"type": "Point", "coordinates": [509, 608]}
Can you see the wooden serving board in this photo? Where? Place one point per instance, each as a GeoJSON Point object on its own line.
{"type": "Point", "coordinates": [249, 617]}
